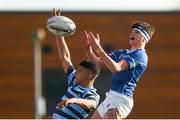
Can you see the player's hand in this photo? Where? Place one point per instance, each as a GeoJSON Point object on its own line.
{"type": "Point", "coordinates": [64, 103]}
{"type": "Point", "coordinates": [56, 12]}
{"type": "Point", "coordinates": [84, 39]}
{"type": "Point", "coordinates": [94, 41]}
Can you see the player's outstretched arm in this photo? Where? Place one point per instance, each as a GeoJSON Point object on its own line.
{"type": "Point", "coordinates": [111, 64]}
{"type": "Point", "coordinates": [62, 47]}
{"type": "Point", "coordinates": [84, 40]}
{"type": "Point", "coordinates": [64, 53]}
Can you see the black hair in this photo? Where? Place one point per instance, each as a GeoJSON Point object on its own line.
{"type": "Point", "coordinates": [91, 65]}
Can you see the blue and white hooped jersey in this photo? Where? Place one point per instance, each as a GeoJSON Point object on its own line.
{"type": "Point", "coordinates": [125, 81]}
{"type": "Point", "coordinates": [75, 111]}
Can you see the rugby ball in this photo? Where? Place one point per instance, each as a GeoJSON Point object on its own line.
{"type": "Point", "coordinates": [61, 26]}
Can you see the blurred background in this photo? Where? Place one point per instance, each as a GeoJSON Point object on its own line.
{"type": "Point", "coordinates": [31, 75]}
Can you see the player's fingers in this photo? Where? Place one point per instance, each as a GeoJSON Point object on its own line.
{"type": "Point", "coordinates": [61, 105]}
{"type": "Point", "coordinates": [58, 12]}
{"type": "Point", "coordinates": [97, 35]}
{"type": "Point", "coordinates": [117, 115]}
{"type": "Point", "coordinates": [54, 12]}
{"type": "Point", "coordinates": [83, 36]}
{"type": "Point", "coordinates": [86, 34]}
{"type": "Point", "coordinates": [91, 36]}
{"type": "Point", "coordinates": [66, 104]}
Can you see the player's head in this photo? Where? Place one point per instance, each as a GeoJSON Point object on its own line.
{"type": "Point", "coordinates": [87, 71]}
{"type": "Point", "coordinates": [141, 32]}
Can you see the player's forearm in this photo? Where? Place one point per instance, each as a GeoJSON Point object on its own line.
{"type": "Point", "coordinates": [85, 103]}
{"type": "Point", "coordinates": [63, 52]}
{"type": "Point", "coordinates": [91, 55]}
{"type": "Point", "coordinates": [110, 64]}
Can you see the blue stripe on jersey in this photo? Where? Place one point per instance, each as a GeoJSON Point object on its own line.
{"type": "Point", "coordinates": [57, 116]}
{"type": "Point", "coordinates": [76, 111]}
{"type": "Point", "coordinates": [72, 93]}
{"type": "Point", "coordinates": [78, 93]}
{"type": "Point", "coordinates": [92, 95]}
{"type": "Point", "coordinates": [82, 111]}
{"type": "Point", "coordinates": [63, 114]}
{"type": "Point", "coordinates": [70, 74]}
{"type": "Point", "coordinates": [71, 80]}
{"type": "Point", "coordinates": [69, 95]}
{"type": "Point", "coordinates": [70, 70]}
{"type": "Point", "coordinates": [69, 111]}
{"type": "Point", "coordinates": [75, 91]}
{"type": "Point", "coordinates": [77, 106]}
{"type": "Point", "coordinates": [64, 98]}
{"type": "Point", "coordinates": [89, 93]}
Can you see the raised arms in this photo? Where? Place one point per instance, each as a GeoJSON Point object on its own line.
{"type": "Point", "coordinates": [62, 47]}
{"type": "Point", "coordinates": [90, 42]}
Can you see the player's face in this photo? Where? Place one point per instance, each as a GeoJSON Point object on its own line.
{"type": "Point", "coordinates": [135, 37]}
{"type": "Point", "coordinates": [82, 74]}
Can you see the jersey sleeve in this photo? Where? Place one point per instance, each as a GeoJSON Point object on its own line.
{"type": "Point", "coordinates": [131, 61]}
{"type": "Point", "coordinates": [113, 56]}
{"type": "Point", "coordinates": [70, 74]}
{"type": "Point", "coordinates": [136, 59]}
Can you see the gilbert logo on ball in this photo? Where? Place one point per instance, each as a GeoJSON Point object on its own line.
{"type": "Point", "coordinates": [61, 26]}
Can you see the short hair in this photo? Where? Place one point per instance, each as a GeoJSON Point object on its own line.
{"type": "Point", "coordinates": [91, 65]}
{"type": "Point", "coordinates": [145, 26]}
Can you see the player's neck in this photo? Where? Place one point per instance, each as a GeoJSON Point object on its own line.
{"type": "Point", "coordinates": [89, 86]}
{"type": "Point", "coordinates": [141, 46]}
{"type": "Point", "coordinates": [86, 85]}
{"type": "Point", "coordinates": [134, 48]}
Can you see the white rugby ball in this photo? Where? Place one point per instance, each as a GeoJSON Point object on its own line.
{"type": "Point", "coordinates": [61, 26]}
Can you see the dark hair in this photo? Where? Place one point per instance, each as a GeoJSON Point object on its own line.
{"type": "Point", "coordinates": [146, 26]}
{"type": "Point", "coordinates": [91, 65]}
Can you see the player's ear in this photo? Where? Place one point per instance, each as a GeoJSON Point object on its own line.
{"type": "Point", "coordinates": [92, 76]}
{"type": "Point", "coordinates": [143, 40]}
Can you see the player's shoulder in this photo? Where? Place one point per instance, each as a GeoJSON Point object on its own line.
{"type": "Point", "coordinates": [140, 52]}
{"type": "Point", "coordinates": [91, 92]}
{"type": "Point", "coordinates": [70, 70]}
{"type": "Point", "coordinates": [140, 55]}
{"type": "Point", "coordinates": [70, 74]}
{"type": "Point", "coordinates": [120, 51]}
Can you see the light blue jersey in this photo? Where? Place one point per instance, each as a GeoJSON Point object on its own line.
{"type": "Point", "coordinates": [125, 81]}
{"type": "Point", "coordinates": [75, 111]}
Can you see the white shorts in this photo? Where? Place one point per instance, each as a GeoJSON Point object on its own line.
{"type": "Point", "coordinates": [122, 103]}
